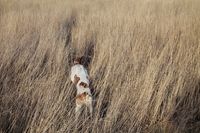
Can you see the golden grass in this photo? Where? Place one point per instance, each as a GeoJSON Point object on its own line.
{"type": "Point", "coordinates": [143, 57]}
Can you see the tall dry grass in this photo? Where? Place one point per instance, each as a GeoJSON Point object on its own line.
{"type": "Point", "coordinates": [143, 57]}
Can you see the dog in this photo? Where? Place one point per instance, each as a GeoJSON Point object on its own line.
{"type": "Point", "coordinates": [80, 78]}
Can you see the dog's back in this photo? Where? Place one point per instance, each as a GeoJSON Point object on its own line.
{"type": "Point", "coordinates": [79, 71]}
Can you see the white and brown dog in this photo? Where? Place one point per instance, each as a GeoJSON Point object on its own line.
{"type": "Point", "coordinates": [80, 78]}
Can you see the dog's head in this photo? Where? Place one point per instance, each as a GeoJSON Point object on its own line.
{"type": "Point", "coordinates": [77, 60]}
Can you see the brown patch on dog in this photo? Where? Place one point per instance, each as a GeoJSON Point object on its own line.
{"type": "Point", "coordinates": [85, 85]}
{"type": "Point", "coordinates": [80, 99]}
{"type": "Point", "coordinates": [76, 79]}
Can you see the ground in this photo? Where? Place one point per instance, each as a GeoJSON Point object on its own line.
{"type": "Point", "coordinates": [142, 56]}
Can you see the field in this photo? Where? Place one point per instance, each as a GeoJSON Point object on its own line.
{"type": "Point", "coordinates": [143, 58]}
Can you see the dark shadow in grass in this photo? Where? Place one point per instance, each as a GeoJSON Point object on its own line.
{"type": "Point", "coordinates": [186, 114]}
{"type": "Point", "coordinates": [65, 31]}
{"type": "Point", "coordinates": [65, 35]}
{"type": "Point", "coordinates": [68, 27]}
{"type": "Point", "coordinates": [86, 59]}
{"type": "Point", "coordinates": [105, 103]}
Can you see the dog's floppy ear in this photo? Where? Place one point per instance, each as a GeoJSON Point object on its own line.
{"type": "Point", "coordinates": [76, 79]}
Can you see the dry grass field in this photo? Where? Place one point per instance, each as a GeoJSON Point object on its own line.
{"type": "Point", "coordinates": [143, 57]}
